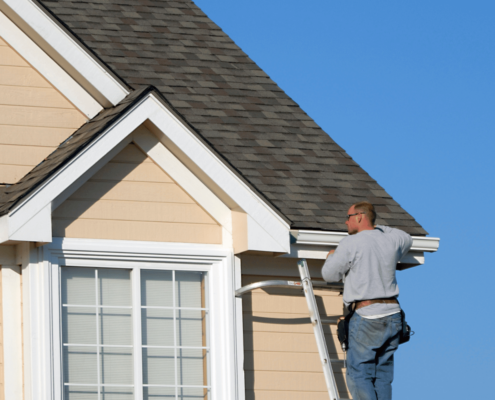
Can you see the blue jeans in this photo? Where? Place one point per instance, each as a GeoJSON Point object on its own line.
{"type": "Point", "coordinates": [370, 358]}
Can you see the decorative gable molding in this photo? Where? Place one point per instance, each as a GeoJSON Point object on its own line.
{"type": "Point", "coordinates": [62, 48]}
{"type": "Point", "coordinates": [266, 230]}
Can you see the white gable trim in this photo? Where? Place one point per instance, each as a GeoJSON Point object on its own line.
{"type": "Point", "coordinates": [267, 231]}
{"type": "Point", "coordinates": [50, 70]}
{"type": "Point", "coordinates": [106, 86]}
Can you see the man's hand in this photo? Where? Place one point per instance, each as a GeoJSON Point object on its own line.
{"type": "Point", "coordinates": [330, 253]}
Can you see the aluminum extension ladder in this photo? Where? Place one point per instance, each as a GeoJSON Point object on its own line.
{"type": "Point", "coordinates": [307, 285]}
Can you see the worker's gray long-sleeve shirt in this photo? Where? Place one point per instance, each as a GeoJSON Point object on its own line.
{"type": "Point", "coordinates": [366, 262]}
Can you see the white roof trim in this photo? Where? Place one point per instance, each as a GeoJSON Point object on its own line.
{"type": "Point", "coordinates": [69, 50]}
{"type": "Point", "coordinates": [50, 70]}
{"type": "Point", "coordinates": [319, 238]}
{"type": "Point", "coordinates": [30, 222]}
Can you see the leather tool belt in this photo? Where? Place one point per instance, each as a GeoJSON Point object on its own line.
{"type": "Point", "coordinates": [364, 303]}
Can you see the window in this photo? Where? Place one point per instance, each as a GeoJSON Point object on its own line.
{"type": "Point", "coordinates": [121, 337]}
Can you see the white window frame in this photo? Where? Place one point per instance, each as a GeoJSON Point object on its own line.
{"type": "Point", "coordinates": [42, 299]}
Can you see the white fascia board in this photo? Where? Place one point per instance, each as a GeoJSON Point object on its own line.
{"type": "Point", "coordinates": [237, 190]}
{"type": "Point", "coordinates": [50, 70]}
{"type": "Point", "coordinates": [269, 232]}
{"type": "Point", "coordinates": [332, 239]}
{"type": "Point", "coordinates": [69, 50]}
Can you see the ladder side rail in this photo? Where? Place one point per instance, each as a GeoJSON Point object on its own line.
{"type": "Point", "coordinates": [318, 330]}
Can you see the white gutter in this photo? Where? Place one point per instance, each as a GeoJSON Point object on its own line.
{"type": "Point", "coordinates": [318, 238]}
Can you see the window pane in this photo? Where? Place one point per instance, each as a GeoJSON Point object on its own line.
{"type": "Point", "coordinates": [79, 325]}
{"type": "Point", "coordinates": [80, 364]}
{"type": "Point", "coordinates": [78, 286]}
{"type": "Point", "coordinates": [158, 327]}
{"type": "Point", "coordinates": [189, 289]}
{"type": "Point", "coordinates": [191, 328]}
{"type": "Point", "coordinates": [156, 288]}
{"type": "Point", "coordinates": [192, 366]}
{"type": "Point", "coordinates": [80, 393]}
{"type": "Point", "coordinates": [115, 326]}
{"type": "Point", "coordinates": [116, 393]}
{"type": "Point", "coordinates": [193, 394]}
{"type": "Point", "coordinates": [116, 365]}
{"type": "Point", "coordinates": [115, 287]}
{"type": "Point", "coordinates": [158, 366]}
{"type": "Point", "coordinates": [154, 393]}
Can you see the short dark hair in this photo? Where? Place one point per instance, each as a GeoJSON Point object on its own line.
{"type": "Point", "coordinates": [366, 208]}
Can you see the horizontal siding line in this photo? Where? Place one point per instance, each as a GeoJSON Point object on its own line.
{"type": "Point", "coordinates": [261, 292]}
{"type": "Point", "coordinates": [128, 180]}
{"type": "Point", "coordinates": [131, 162]}
{"type": "Point", "coordinates": [34, 127]}
{"type": "Point", "coordinates": [328, 335]}
{"type": "Point", "coordinates": [134, 220]}
{"type": "Point", "coordinates": [119, 180]}
{"type": "Point", "coordinates": [285, 352]}
{"type": "Point", "coordinates": [133, 201]}
{"type": "Point", "coordinates": [287, 332]}
{"type": "Point", "coordinates": [310, 389]}
{"type": "Point", "coordinates": [22, 66]}
{"type": "Point", "coordinates": [292, 391]}
{"type": "Point", "coordinates": [20, 165]}
{"type": "Point", "coordinates": [299, 372]}
{"type": "Point", "coordinates": [250, 313]}
{"type": "Point", "coordinates": [30, 86]}
{"type": "Point", "coordinates": [73, 128]}
{"type": "Point", "coordinates": [28, 145]}
{"type": "Point", "coordinates": [40, 107]}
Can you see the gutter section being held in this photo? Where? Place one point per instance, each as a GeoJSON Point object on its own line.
{"type": "Point", "coordinates": [319, 238]}
{"type": "Point", "coordinates": [317, 244]}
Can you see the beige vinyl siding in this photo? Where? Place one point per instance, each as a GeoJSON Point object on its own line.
{"type": "Point", "coordinates": [280, 355]}
{"type": "Point", "coordinates": [131, 198]}
{"type": "Point", "coordinates": [34, 117]}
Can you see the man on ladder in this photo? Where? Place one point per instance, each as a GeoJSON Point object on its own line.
{"type": "Point", "coordinates": [366, 262]}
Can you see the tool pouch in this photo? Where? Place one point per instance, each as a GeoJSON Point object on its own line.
{"type": "Point", "coordinates": [343, 329]}
{"type": "Point", "coordinates": [406, 332]}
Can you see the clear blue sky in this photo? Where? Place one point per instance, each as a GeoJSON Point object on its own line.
{"type": "Point", "coordinates": [407, 88]}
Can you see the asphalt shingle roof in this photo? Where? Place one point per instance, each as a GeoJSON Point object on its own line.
{"type": "Point", "coordinates": [241, 113]}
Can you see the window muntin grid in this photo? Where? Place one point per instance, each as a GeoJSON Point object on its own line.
{"type": "Point", "coordinates": [90, 303]}
{"type": "Point", "coordinates": [97, 345]}
{"type": "Point", "coordinates": [173, 303]}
